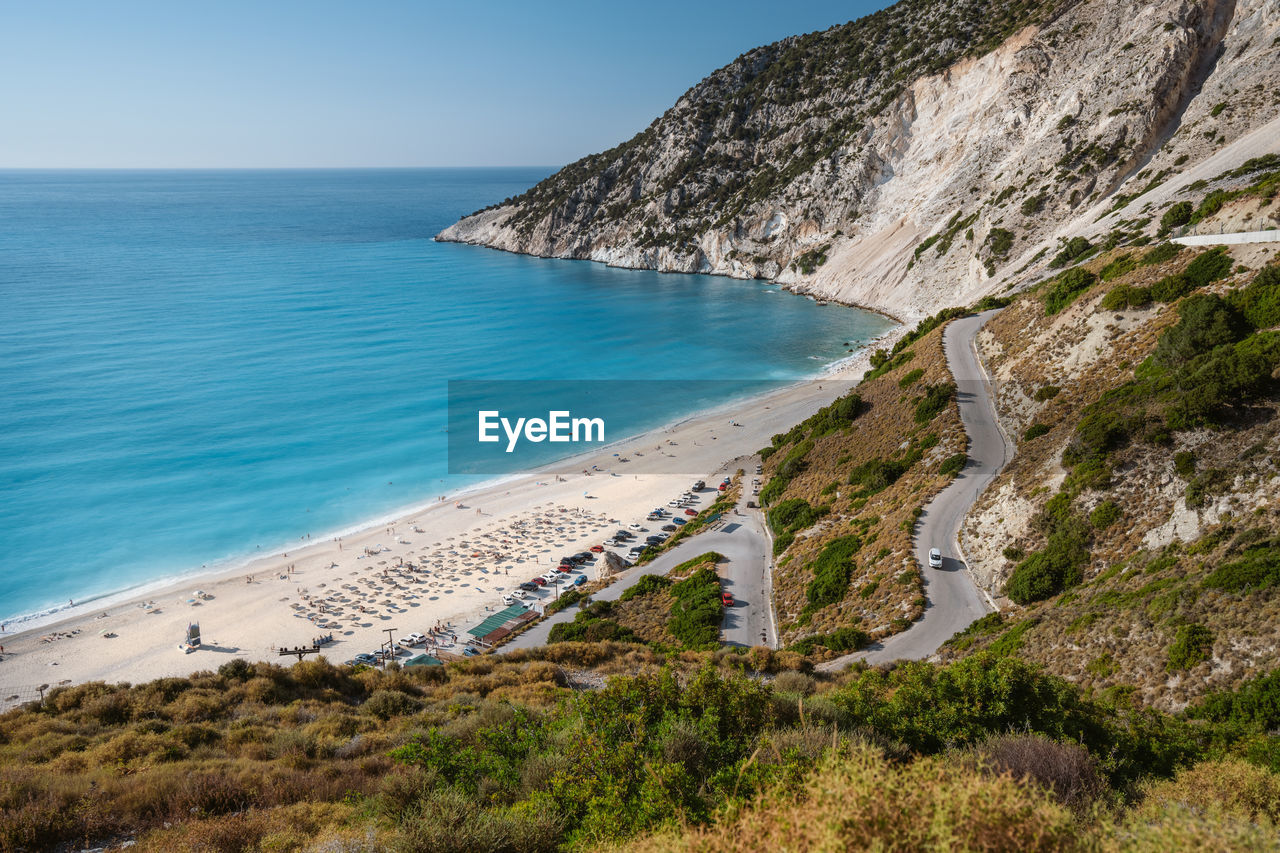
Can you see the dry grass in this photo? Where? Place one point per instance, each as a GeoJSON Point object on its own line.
{"type": "Point", "coordinates": [884, 593]}
{"type": "Point", "coordinates": [863, 802]}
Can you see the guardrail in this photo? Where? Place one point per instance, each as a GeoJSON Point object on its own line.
{"type": "Point", "coordinates": [1196, 236]}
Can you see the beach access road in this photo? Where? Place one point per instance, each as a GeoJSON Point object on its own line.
{"type": "Point", "coordinates": [741, 539]}
{"type": "Point", "coordinates": [952, 600]}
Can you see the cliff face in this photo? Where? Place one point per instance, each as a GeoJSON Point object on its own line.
{"type": "Point", "coordinates": [921, 157]}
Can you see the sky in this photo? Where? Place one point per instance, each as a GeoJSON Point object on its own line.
{"type": "Point", "coordinates": [380, 83]}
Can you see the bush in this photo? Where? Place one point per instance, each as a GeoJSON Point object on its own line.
{"type": "Point", "coordinates": [1104, 515]}
{"type": "Point", "coordinates": [568, 598]}
{"type": "Point", "coordinates": [1065, 770]}
{"type": "Point", "coordinates": [1160, 254]}
{"type": "Point", "coordinates": [1046, 392]}
{"type": "Point", "coordinates": [1205, 322]}
{"type": "Point", "coordinates": [1177, 215]}
{"type": "Point", "coordinates": [1060, 564]}
{"type": "Point", "coordinates": [1121, 265]}
{"type": "Point", "coordinates": [1193, 644]}
{"type": "Point", "coordinates": [840, 640]}
{"type": "Point", "coordinates": [1171, 288]}
{"type": "Point", "coordinates": [877, 475]}
{"type": "Point", "coordinates": [934, 401]}
{"type": "Point", "coordinates": [1208, 267]}
{"type": "Point", "coordinates": [1230, 788]}
{"type": "Point", "coordinates": [1000, 240]}
{"type": "Point", "coordinates": [1257, 568]}
{"type": "Point", "coordinates": [1035, 431]}
{"type": "Point", "coordinates": [1259, 303]}
{"type": "Point", "coordinates": [385, 704]}
{"type": "Point", "coordinates": [697, 612]}
{"type": "Point", "coordinates": [592, 624]}
{"type": "Point", "coordinates": [1065, 287]}
{"type": "Point", "coordinates": [646, 585]}
{"type": "Point", "coordinates": [1126, 297]}
{"type": "Point", "coordinates": [793, 515]}
{"type": "Point", "coordinates": [910, 378]}
{"type": "Point", "coordinates": [831, 572]}
{"type": "Point", "coordinates": [953, 465]}
{"type": "Point", "coordinates": [1072, 249]}
{"type": "Point", "coordinates": [1255, 704]}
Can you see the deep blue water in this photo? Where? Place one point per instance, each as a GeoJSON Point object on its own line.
{"type": "Point", "coordinates": [195, 364]}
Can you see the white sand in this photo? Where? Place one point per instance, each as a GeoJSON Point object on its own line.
{"type": "Point", "coordinates": [251, 620]}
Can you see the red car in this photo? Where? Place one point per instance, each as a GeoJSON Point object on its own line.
{"type": "Point", "coordinates": [726, 598]}
{"type": "Point", "coordinates": [596, 549]}
{"type": "Point", "coordinates": [690, 512]}
{"type": "Point", "coordinates": [539, 581]}
{"type": "Point", "coordinates": [565, 569]}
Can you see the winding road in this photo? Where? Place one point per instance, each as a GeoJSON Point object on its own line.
{"type": "Point", "coordinates": [953, 600]}
{"type": "Point", "coordinates": [744, 572]}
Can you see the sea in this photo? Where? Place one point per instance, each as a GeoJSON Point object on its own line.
{"type": "Point", "coordinates": [199, 367]}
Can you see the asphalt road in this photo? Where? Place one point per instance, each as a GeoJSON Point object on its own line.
{"type": "Point", "coordinates": [953, 601]}
{"type": "Point", "coordinates": [743, 543]}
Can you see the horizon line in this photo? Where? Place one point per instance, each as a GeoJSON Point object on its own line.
{"type": "Point", "coordinates": [263, 168]}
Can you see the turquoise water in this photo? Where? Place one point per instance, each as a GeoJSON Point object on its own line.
{"type": "Point", "coordinates": [199, 364]}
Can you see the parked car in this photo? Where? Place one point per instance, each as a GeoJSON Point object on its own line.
{"type": "Point", "coordinates": [935, 559]}
{"type": "Point", "coordinates": [416, 638]}
{"type": "Point", "coordinates": [596, 549]}
{"type": "Point", "coordinates": [678, 521]}
{"type": "Point", "coordinates": [508, 600]}
{"type": "Point", "coordinates": [539, 581]}
{"type": "Point", "coordinates": [469, 652]}
{"type": "Point", "coordinates": [669, 527]}
{"type": "Point", "coordinates": [690, 512]}
{"type": "Point", "coordinates": [529, 586]}
{"type": "Point", "coordinates": [579, 580]}
{"type": "Point", "coordinates": [726, 598]}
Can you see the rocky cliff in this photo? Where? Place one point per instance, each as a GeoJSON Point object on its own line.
{"type": "Point", "coordinates": [919, 157]}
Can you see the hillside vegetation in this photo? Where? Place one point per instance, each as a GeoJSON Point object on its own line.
{"type": "Point", "coordinates": [513, 755]}
{"type": "Point", "coordinates": [1133, 533]}
{"type": "Point", "coordinates": [842, 493]}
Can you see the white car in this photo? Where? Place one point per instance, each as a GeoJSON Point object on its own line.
{"type": "Point", "coordinates": [508, 599]}
{"type": "Point", "coordinates": [935, 558]}
{"type": "Point", "coordinates": [635, 527]}
{"type": "Point", "coordinates": [415, 638]}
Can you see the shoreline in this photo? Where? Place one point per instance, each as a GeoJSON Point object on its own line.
{"type": "Point", "coordinates": [250, 601]}
{"type": "Point", "coordinates": [790, 287]}
{"type": "Point", "coordinates": [53, 616]}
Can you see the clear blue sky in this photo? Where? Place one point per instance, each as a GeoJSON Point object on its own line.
{"type": "Point", "coordinates": [397, 83]}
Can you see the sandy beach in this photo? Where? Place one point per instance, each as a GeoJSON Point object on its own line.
{"type": "Point", "coordinates": [446, 565]}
